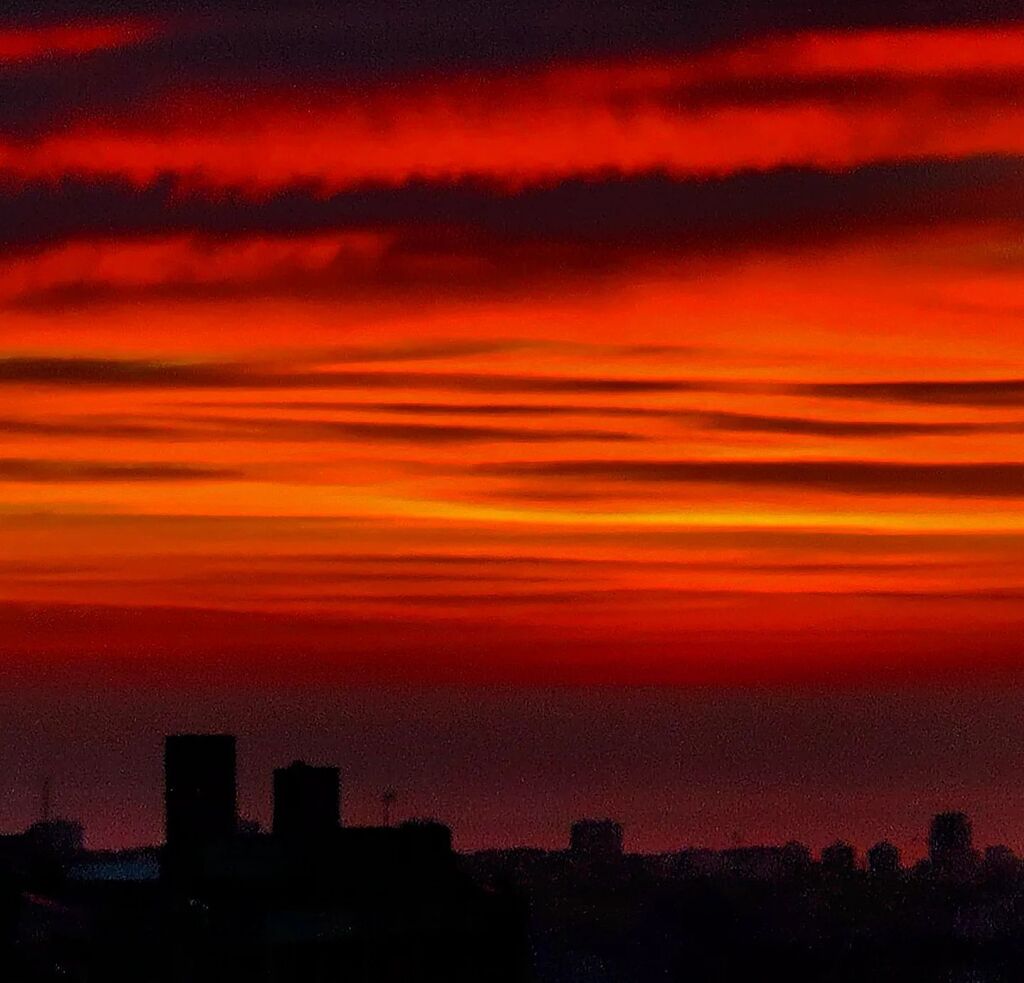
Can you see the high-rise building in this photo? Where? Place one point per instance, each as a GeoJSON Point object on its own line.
{"type": "Point", "coordinates": [950, 845]}
{"type": "Point", "coordinates": [307, 800]}
{"type": "Point", "coordinates": [199, 777]}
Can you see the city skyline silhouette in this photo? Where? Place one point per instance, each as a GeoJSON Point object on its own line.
{"type": "Point", "coordinates": [570, 452]}
{"type": "Point", "coordinates": [306, 798]}
{"type": "Point", "coordinates": [315, 899]}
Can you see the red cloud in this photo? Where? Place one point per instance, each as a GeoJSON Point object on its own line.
{"type": "Point", "coordinates": [63, 40]}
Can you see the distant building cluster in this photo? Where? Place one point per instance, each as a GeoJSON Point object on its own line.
{"type": "Point", "coordinates": [598, 844]}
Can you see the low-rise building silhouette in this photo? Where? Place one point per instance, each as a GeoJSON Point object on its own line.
{"type": "Point", "coordinates": [596, 840]}
{"type": "Point", "coordinates": [307, 801]}
{"type": "Point", "coordinates": [57, 837]}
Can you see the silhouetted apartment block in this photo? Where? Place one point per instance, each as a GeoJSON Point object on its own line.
{"type": "Point", "coordinates": [596, 839]}
{"type": "Point", "coordinates": [307, 800]}
{"type": "Point", "coordinates": [199, 775]}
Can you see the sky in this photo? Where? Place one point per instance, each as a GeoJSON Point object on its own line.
{"type": "Point", "coordinates": [545, 410]}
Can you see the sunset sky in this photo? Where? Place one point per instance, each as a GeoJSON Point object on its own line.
{"type": "Point", "coordinates": [544, 409]}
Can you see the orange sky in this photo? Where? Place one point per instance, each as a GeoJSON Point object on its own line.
{"type": "Point", "coordinates": [688, 367]}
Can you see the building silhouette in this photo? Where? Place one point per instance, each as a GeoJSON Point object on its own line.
{"type": "Point", "coordinates": [429, 836]}
{"type": "Point", "coordinates": [795, 857]}
{"type": "Point", "coordinates": [58, 837]}
{"type": "Point", "coordinates": [883, 858]}
{"type": "Point", "coordinates": [1000, 861]}
{"type": "Point", "coordinates": [318, 902]}
{"type": "Point", "coordinates": [950, 842]}
{"type": "Point", "coordinates": [839, 858]}
{"type": "Point", "coordinates": [307, 801]}
{"type": "Point", "coordinates": [200, 794]}
{"type": "Point", "coordinates": [596, 839]}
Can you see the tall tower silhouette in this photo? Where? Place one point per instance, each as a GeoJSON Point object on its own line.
{"type": "Point", "coordinates": [200, 795]}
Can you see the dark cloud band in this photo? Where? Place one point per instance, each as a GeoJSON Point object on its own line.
{"type": "Point", "coordinates": [151, 374]}
{"type": "Point", "coordinates": [222, 43]}
{"type": "Point", "coordinates": [788, 206]}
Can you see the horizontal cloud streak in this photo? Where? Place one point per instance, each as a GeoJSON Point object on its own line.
{"type": "Point", "coordinates": [71, 38]}
{"type": "Point", "coordinates": [781, 207]}
{"type": "Point", "coordinates": [300, 429]}
{"type": "Point", "coordinates": [45, 471]}
{"type": "Point", "coordinates": [153, 374]}
{"type": "Point", "coordinates": [432, 408]}
{"type": "Point", "coordinates": [1002, 480]}
{"type": "Point", "coordinates": [957, 392]}
{"type": "Point", "coordinates": [83, 427]}
{"type": "Point", "coordinates": [699, 419]}
{"type": "Point", "coordinates": [842, 429]}
{"type": "Point", "coordinates": [210, 429]}
{"type": "Point", "coordinates": [414, 433]}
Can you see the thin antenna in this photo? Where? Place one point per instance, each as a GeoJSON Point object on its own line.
{"type": "Point", "coordinates": [387, 800]}
{"type": "Point", "coordinates": [46, 803]}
